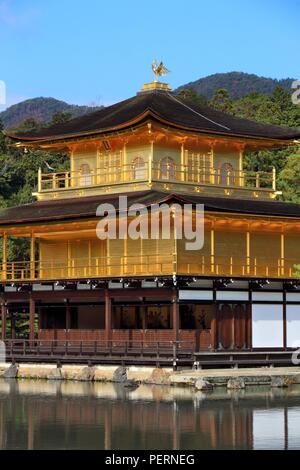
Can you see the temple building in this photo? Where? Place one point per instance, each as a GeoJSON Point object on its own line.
{"type": "Point", "coordinates": [237, 293]}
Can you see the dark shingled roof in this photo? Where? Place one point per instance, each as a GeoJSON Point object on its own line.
{"type": "Point", "coordinates": [164, 107]}
{"type": "Point", "coordinates": [85, 207]}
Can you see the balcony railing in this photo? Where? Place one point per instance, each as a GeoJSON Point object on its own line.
{"type": "Point", "coordinates": [151, 265]}
{"type": "Point", "coordinates": [155, 172]}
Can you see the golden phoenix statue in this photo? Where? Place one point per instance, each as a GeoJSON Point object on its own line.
{"type": "Point", "coordinates": [159, 70]}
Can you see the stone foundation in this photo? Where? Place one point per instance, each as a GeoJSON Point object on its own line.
{"type": "Point", "coordinates": [156, 376]}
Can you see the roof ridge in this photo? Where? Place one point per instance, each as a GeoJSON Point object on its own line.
{"type": "Point", "coordinates": [196, 112]}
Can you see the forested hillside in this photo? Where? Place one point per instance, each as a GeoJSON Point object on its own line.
{"type": "Point", "coordinates": [237, 84]}
{"type": "Point", "coordinates": [40, 109]}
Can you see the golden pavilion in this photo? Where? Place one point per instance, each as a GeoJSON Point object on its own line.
{"type": "Point", "coordinates": [237, 294]}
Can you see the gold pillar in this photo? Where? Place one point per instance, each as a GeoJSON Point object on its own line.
{"type": "Point", "coordinates": [282, 253]}
{"type": "Point", "coordinates": [124, 164]}
{"type": "Point", "coordinates": [72, 181]}
{"type": "Point", "coordinates": [212, 165]}
{"type": "Point", "coordinates": [212, 250]}
{"type": "Point", "coordinates": [4, 257]}
{"type": "Point", "coordinates": [108, 258]}
{"type": "Point", "coordinates": [32, 256]}
{"type": "Point", "coordinates": [39, 180]}
{"type": "Point", "coordinates": [241, 179]}
{"type": "Point", "coordinates": [274, 179]}
{"type": "Point", "coordinates": [69, 260]}
{"type": "Point", "coordinates": [248, 251]}
{"type": "Point", "coordinates": [182, 163]}
{"type": "Point", "coordinates": [90, 257]}
{"type": "Point", "coordinates": [150, 162]}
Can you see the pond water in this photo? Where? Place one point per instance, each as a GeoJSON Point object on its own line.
{"type": "Point", "coordinates": [70, 415]}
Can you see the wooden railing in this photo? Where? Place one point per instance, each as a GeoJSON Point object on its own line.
{"type": "Point", "coordinates": [109, 351]}
{"type": "Point", "coordinates": [148, 265]}
{"type": "Point", "coordinates": [238, 267]}
{"type": "Point", "coordinates": [155, 172]}
{"type": "Point", "coordinates": [172, 353]}
{"type": "Point", "coordinates": [113, 266]}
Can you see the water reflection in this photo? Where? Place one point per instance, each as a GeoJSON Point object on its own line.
{"type": "Point", "coordinates": [69, 415]}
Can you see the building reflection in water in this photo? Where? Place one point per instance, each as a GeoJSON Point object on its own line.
{"type": "Point", "coordinates": [66, 415]}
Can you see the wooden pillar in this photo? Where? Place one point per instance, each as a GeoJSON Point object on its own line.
{"type": "Point", "coordinates": [68, 316]}
{"type": "Point", "coordinates": [175, 314]}
{"type": "Point", "coordinates": [13, 325]}
{"type": "Point", "coordinates": [31, 318]}
{"type": "Point", "coordinates": [214, 323]}
{"type": "Point", "coordinates": [284, 321]}
{"type": "Point", "coordinates": [3, 321]}
{"type": "Point", "coordinates": [108, 317]}
{"type": "Point", "coordinates": [144, 322]}
{"type": "Point", "coordinates": [39, 318]}
{"type": "Point", "coordinates": [249, 317]}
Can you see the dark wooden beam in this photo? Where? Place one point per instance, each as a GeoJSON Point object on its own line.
{"type": "Point", "coordinates": [68, 317]}
{"type": "Point", "coordinates": [108, 316]}
{"type": "Point", "coordinates": [176, 319]}
{"type": "Point", "coordinates": [3, 320]}
{"type": "Point", "coordinates": [31, 318]}
{"type": "Point", "coordinates": [92, 295]}
{"type": "Point", "coordinates": [284, 321]}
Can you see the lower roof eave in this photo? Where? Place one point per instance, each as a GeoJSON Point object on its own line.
{"type": "Point", "coordinates": [84, 208]}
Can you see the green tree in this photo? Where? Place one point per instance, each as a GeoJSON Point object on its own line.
{"type": "Point", "coordinates": [190, 95]}
{"type": "Point", "coordinates": [60, 118]}
{"type": "Point", "coordinates": [221, 101]}
{"type": "Point", "coordinates": [28, 125]}
{"type": "Point", "coordinates": [289, 179]}
{"type": "Point", "coordinates": [2, 138]}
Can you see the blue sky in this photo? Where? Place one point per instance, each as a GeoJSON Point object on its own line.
{"type": "Point", "coordinates": [97, 51]}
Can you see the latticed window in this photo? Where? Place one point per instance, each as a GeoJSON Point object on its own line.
{"type": "Point", "coordinates": [85, 175]}
{"type": "Point", "coordinates": [199, 167]}
{"type": "Point", "coordinates": [139, 169]}
{"type": "Point", "coordinates": [167, 169]}
{"type": "Point", "coordinates": [226, 174]}
{"type": "Point", "coordinates": [110, 166]}
{"type": "Point", "coordinates": [110, 160]}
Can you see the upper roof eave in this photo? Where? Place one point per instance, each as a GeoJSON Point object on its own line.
{"type": "Point", "coordinates": [149, 113]}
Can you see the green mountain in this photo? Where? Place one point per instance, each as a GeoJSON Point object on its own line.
{"type": "Point", "coordinates": [238, 84]}
{"type": "Point", "coordinates": [41, 109]}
